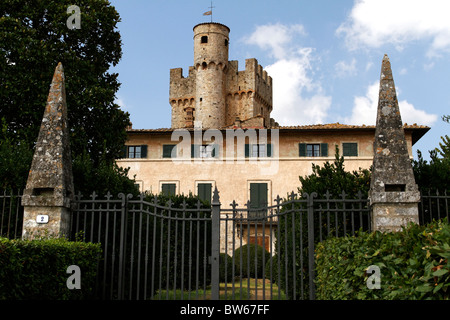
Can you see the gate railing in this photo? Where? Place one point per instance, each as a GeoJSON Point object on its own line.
{"type": "Point", "coordinates": [151, 250]}
{"type": "Point", "coordinates": [11, 214]}
{"type": "Point", "coordinates": [288, 231]}
{"type": "Point", "coordinates": [155, 250]}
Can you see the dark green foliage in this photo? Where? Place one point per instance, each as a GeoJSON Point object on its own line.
{"type": "Point", "coordinates": [253, 259]}
{"type": "Point", "coordinates": [333, 177]}
{"type": "Point", "coordinates": [101, 177]}
{"type": "Point", "coordinates": [331, 218]}
{"type": "Point", "coordinates": [38, 269]}
{"type": "Point", "coordinates": [34, 37]}
{"type": "Point", "coordinates": [433, 175]}
{"type": "Point", "coordinates": [15, 159]}
{"type": "Point", "coordinates": [414, 264]}
{"type": "Point", "coordinates": [225, 268]}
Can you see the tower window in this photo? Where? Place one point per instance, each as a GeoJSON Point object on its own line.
{"type": "Point", "coordinates": [226, 42]}
{"type": "Point", "coordinates": [204, 39]}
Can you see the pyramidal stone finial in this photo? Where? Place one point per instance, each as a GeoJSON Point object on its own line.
{"type": "Point", "coordinates": [392, 183]}
{"type": "Point", "coordinates": [49, 187]}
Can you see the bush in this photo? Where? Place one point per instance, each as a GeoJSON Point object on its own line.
{"type": "Point", "coordinates": [414, 264]}
{"type": "Point", "coordinates": [254, 258]}
{"type": "Point", "coordinates": [37, 269]}
{"type": "Point", "coordinates": [225, 260]}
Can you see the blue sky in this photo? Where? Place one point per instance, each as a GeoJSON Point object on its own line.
{"type": "Point", "coordinates": [324, 56]}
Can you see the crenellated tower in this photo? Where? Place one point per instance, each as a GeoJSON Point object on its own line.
{"type": "Point", "coordinates": [216, 92]}
{"type": "Point", "coordinates": [210, 62]}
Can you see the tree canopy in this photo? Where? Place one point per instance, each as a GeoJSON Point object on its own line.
{"type": "Point", "coordinates": [34, 37]}
{"type": "Point", "coordinates": [333, 177]}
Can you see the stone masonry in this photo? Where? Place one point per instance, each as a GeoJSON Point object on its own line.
{"type": "Point", "coordinates": [49, 189]}
{"type": "Point", "coordinates": [393, 192]}
{"type": "Point", "coordinates": [216, 92]}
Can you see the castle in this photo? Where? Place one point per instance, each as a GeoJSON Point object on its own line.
{"type": "Point", "coordinates": [216, 93]}
{"type": "Point", "coordinates": [231, 142]}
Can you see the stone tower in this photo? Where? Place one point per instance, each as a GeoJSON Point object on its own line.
{"type": "Point", "coordinates": [210, 61]}
{"type": "Point", "coordinates": [216, 92]}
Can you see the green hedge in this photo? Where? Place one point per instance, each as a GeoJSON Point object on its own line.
{"type": "Point", "coordinates": [37, 269]}
{"type": "Point", "coordinates": [254, 258]}
{"type": "Point", "coordinates": [414, 264]}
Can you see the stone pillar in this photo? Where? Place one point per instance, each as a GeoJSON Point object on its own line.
{"type": "Point", "coordinates": [49, 191]}
{"type": "Point", "coordinates": [393, 194]}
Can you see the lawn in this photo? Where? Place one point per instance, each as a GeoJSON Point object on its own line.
{"type": "Point", "coordinates": [248, 289]}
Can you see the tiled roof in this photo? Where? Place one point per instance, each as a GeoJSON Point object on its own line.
{"type": "Point", "coordinates": [326, 126]}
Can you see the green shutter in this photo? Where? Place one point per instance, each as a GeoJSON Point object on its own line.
{"type": "Point", "coordinates": [204, 191]}
{"type": "Point", "coordinates": [324, 149]}
{"type": "Point", "coordinates": [355, 149]}
{"type": "Point", "coordinates": [269, 150]}
{"type": "Point", "coordinates": [350, 149]}
{"type": "Point", "coordinates": [124, 152]}
{"type": "Point", "coordinates": [168, 149]}
{"type": "Point", "coordinates": [169, 189]}
{"type": "Point", "coordinates": [215, 151]}
{"type": "Point", "coordinates": [194, 152]}
{"type": "Point", "coordinates": [302, 149]}
{"type": "Point", "coordinates": [143, 151]}
{"type": "Point", "coordinates": [254, 195]}
{"type": "Point", "coordinates": [247, 150]}
{"type": "Point", "coordinates": [258, 195]}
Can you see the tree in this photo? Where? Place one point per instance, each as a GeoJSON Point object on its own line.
{"type": "Point", "coordinates": [434, 175]}
{"type": "Point", "coordinates": [34, 37]}
{"type": "Point", "coordinates": [444, 147]}
{"type": "Point", "coordinates": [333, 177]}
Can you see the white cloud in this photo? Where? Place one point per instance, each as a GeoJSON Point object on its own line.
{"type": "Point", "coordinates": [121, 102]}
{"type": "Point", "coordinates": [365, 110]}
{"type": "Point", "coordinates": [275, 37]}
{"type": "Point", "coordinates": [297, 98]}
{"type": "Point", "coordinates": [373, 23]}
{"type": "Point", "coordinates": [344, 69]}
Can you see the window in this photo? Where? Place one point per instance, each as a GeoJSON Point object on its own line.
{"type": "Point", "coordinates": [204, 39]}
{"type": "Point", "coordinates": [204, 151]}
{"type": "Point", "coordinates": [258, 199]}
{"type": "Point", "coordinates": [135, 152]}
{"type": "Point", "coordinates": [258, 150]}
{"type": "Point", "coordinates": [226, 42]}
{"type": "Point", "coordinates": [169, 151]}
{"type": "Point", "coordinates": [168, 189]}
{"type": "Point", "coordinates": [204, 191]}
{"type": "Point", "coordinates": [350, 149]}
{"type": "Point", "coordinates": [313, 149]}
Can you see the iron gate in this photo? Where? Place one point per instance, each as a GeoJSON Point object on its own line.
{"type": "Point", "coordinates": [155, 250]}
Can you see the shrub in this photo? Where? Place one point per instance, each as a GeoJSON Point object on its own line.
{"type": "Point", "coordinates": [254, 258]}
{"type": "Point", "coordinates": [414, 264]}
{"type": "Point", "coordinates": [37, 269]}
{"type": "Point", "coordinates": [225, 273]}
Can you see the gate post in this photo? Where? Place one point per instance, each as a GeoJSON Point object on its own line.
{"type": "Point", "coordinates": [215, 245]}
{"type": "Point", "coordinates": [122, 245]}
{"type": "Point", "coordinates": [394, 194]}
{"type": "Point", "coordinates": [310, 207]}
{"type": "Point", "coordinates": [47, 199]}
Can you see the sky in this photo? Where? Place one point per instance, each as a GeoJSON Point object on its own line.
{"type": "Point", "coordinates": [324, 57]}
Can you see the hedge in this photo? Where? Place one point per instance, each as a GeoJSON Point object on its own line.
{"type": "Point", "coordinates": [413, 263]}
{"type": "Point", "coordinates": [37, 269]}
{"type": "Point", "coordinates": [254, 258]}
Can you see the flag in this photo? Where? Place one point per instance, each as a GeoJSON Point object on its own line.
{"type": "Point", "coordinates": [207, 13]}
